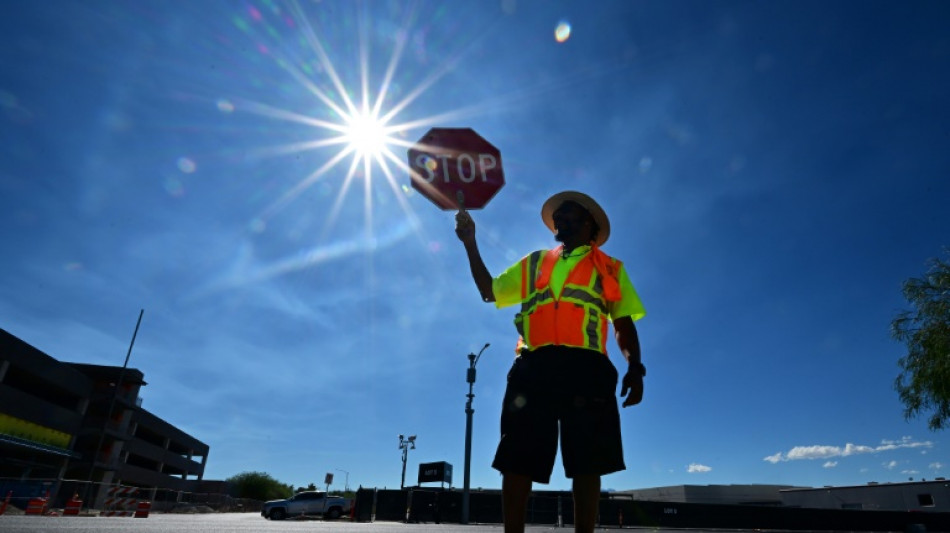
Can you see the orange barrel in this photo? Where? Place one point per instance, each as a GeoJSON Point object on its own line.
{"type": "Point", "coordinates": [142, 509]}
{"type": "Point", "coordinates": [36, 506]}
{"type": "Point", "coordinates": [72, 507]}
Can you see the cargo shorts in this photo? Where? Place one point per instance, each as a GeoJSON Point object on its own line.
{"type": "Point", "coordinates": [566, 392]}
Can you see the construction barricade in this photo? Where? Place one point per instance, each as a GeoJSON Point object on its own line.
{"type": "Point", "coordinates": [120, 501]}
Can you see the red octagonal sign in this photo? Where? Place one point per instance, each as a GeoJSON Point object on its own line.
{"type": "Point", "coordinates": [455, 167]}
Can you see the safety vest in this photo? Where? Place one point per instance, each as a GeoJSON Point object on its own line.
{"type": "Point", "coordinates": [578, 317]}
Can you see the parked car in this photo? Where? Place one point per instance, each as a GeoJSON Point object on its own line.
{"type": "Point", "coordinates": [312, 502]}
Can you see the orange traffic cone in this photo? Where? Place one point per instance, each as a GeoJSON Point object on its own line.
{"type": "Point", "coordinates": [6, 502]}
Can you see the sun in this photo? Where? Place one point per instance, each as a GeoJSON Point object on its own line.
{"type": "Point", "coordinates": [366, 135]}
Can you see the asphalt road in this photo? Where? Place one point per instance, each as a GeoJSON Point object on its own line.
{"type": "Point", "coordinates": [243, 523]}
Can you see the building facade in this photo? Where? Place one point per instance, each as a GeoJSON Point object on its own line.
{"type": "Point", "coordinates": [81, 428]}
{"type": "Point", "coordinates": [918, 496]}
{"type": "Point", "coordinates": [768, 495]}
{"type": "Point", "coordinates": [915, 496]}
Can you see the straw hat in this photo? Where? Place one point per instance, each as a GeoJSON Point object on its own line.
{"type": "Point", "coordinates": [588, 203]}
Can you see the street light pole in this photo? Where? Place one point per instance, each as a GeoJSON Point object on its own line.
{"type": "Point", "coordinates": [346, 483]}
{"type": "Point", "coordinates": [405, 445]}
{"type": "Point", "coordinates": [469, 411]}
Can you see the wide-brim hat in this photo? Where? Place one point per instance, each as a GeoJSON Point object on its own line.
{"type": "Point", "coordinates": [588, 203]}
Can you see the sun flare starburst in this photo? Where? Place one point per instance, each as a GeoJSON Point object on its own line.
{"type": "Point", "coordinates": [366, 134]}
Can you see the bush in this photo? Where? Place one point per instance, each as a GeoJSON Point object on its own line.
{"type": "Point", "coordinates": [258, 486]}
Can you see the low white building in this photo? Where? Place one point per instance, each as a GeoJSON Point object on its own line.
{"type": "Point", "coordinates": [926, 496]}
{"type": "Point", "coordinates": [714, 494]}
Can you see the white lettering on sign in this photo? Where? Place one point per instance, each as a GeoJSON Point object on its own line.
{"type": "Point", "coordinates": [466, 168]}
{"type": "Point", "coordinates": [471, 167]}
{"type": "Point", "coordinates": [445, 167]}
{"type": "Point", "coordinates": [486, 162]}
{"type": "Point", "coordinates": [424, 162]}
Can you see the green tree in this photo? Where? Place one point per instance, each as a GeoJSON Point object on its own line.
{"type": "Point", "coordinates": [258, 486]}
{"type": "Point", "coordinates": [924, 382]}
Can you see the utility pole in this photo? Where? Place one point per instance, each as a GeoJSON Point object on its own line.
{"type": "Point", "coordinates": [469, 411]}
{"type": "Point", "coordinates": [405, 445]}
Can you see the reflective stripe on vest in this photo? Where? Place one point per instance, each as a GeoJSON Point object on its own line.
{"type": "Point", "coordinates": [577, 318]}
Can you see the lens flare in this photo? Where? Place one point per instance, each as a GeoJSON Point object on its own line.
{"type": "Point", "coordinates": [430, 163]}
{"type": "Point", "coordinates": [563, 31]}
{"type": "Point", "coordinates": [186, 165]}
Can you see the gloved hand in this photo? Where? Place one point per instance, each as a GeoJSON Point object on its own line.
{"type": "Point", "coordinates": [632, 386]}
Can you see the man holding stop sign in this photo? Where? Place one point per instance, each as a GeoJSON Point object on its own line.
{"type": "Point", "coordinates": [562, 379]}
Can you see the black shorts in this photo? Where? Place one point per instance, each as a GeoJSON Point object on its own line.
{"type": "Point", "coordinates": [571, 386]}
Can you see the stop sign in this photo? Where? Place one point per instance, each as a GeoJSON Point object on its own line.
{"type": "Point", "coordinates": [455, 166]}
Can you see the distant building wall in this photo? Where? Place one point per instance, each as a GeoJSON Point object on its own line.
{"type": "Point", "coordinates": [921, 496]}
{"type": "Point", "coordinates": [42, 407]}
{"type": "Point", "coordinates": [161, 455]}
{"type": "Point", "coordinates": [927, 496]}
{"type": "Point", "coordinates": [84, 422]}
{"type": "Point", "coordinates": [715, 494]}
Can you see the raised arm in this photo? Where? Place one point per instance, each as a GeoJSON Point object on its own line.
{"type": "Point", "coordinates": [465, 229]}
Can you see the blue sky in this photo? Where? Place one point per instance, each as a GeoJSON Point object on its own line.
{"type": "Point", "coordinates": [772, 170]}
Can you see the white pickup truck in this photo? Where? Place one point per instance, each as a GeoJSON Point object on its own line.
{"type": "Point", "coordinates": [307, 503]}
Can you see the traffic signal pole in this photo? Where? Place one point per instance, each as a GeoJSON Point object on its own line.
{"type": "Point", "coordinates": [469, 411]}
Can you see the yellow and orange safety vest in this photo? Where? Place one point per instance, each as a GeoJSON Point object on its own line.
{"type": "Point", "coordinates": [578, 316]}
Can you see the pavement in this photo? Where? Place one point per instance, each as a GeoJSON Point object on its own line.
{"type": "Point", "coordinates": [251, 523]}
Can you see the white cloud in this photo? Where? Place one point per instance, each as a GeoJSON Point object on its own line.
{"type": "Point", "coordinates": [830, 464]}
{"type": "Point", "coordinates": [910, 472]}
{"type": "Point", "coordinates": [905, 442]}
{"type": "Point", "coordinates": [827, 452]}
{"type": "Point", "coordinates": [890, 465]}
{"type": "Point", "coordinates": [774, 458]}
{"type": "Point", "coordinates": [936, 466]}
{"type": "Point", "coordinates": [813, 452]}
{"type": "Point", "coordinates": [695, 468]}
